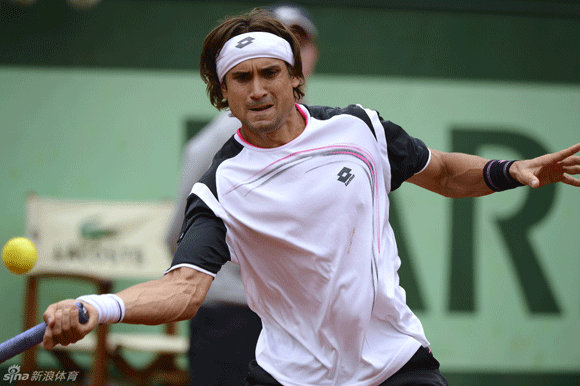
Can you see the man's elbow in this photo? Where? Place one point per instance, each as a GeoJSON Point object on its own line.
{"type": "Point", "coordinates": [191, 287]}
{"type": "Point", "coordinates": [190, 306]}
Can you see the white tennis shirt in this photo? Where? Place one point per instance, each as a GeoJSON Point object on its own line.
{"type": "Point", "coordinates": [308, 224]}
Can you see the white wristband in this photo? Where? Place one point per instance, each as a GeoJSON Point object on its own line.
{"type": "Point", "coordinates": [110, 307]}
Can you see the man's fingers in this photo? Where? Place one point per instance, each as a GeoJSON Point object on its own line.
{"type": "Point", "coordinates": [48, 315]}
{"type": "Point", "coordinates": [570, 161]}
{"type": "Point", "coordinates": [563, 154]}
{"type": "Point", "coordinates": [528, 178]}
{"type": "Point", "coordinates": [66, 326]}
{"type": "Point", "coordinates": [62, 324]}
{"type": "Point", "coordinates": [75, 324]}
{"type": "Point", "coordinates": [47, 341]}
{"type": "Point", "coordinates": [570, 180]}
{"type": "Point", "coordinates": [57, 326]}
{"type": "Point", "coordinates": [572, 169]}
{"type": "Point", "coordinates": [560, 156]}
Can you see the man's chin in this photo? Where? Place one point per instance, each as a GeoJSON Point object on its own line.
{"type": "Point", "coordinates": [256, 117]}
{"type": "Point", "coordinates": [262, 128]}
{"type": "Point", "coordinates": [261, 125]}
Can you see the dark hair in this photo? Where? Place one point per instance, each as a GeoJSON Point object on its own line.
{"type": "Point", "coordinates": [255, 20]}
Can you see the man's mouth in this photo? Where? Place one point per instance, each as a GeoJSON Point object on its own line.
{"type": "Point", "coordinates": [260, 108]}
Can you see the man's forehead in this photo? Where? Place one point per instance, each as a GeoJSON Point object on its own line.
{"type": "Point", "coordinates": [257, 63]}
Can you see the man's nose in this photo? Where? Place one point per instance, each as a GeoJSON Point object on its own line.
{"type": "Point", "coordinates": [258, 90]}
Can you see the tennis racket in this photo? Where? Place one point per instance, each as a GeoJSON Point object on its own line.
{"type": "Point", "coordinates": [32, 337]}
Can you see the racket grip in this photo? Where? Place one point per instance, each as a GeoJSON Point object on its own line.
{"type": "Point", "coordinates": [32, 337]}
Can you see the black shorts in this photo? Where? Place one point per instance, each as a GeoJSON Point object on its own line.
{"type": "Point", "coordinates": [421, 370]}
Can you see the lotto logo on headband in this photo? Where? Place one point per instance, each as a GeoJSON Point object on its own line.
{"type": "Point", "coordinates": [244, 42]}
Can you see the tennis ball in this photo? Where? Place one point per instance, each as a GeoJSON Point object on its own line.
{"type": "Point", "coordinates": [19, 255]}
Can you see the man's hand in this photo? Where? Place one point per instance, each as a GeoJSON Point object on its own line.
{"type": "Point", "coordinates": [63, 326]}
{"type": "Point", "coordinates": [549, 168]}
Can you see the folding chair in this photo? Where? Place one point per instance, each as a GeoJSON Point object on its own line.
{"type": "Point", "coordinates": [99, 242]}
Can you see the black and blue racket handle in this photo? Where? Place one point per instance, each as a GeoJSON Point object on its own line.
{"type": "Point", "coordinates": [32, 337]}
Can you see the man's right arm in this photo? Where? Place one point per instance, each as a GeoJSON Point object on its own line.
{"type": "Point", "coordinates": [174, 297]}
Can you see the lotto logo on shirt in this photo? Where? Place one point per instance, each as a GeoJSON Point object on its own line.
{"type": "Point", "coordinates": [345, 176]}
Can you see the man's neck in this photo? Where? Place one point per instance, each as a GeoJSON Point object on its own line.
{"type": "Point", "coordinates": [286, 133]}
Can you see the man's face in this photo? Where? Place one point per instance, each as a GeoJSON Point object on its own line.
{"type": "Point", "coordinates": [260, 94]}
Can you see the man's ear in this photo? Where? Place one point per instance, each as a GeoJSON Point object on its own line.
{"type": "Point", "coordinates": [294, 80]}
{"type": "Point", "coordinates": [224, 89]}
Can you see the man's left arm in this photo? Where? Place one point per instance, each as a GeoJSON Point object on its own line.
{"type": "Point", "coordinates": [462, 175]}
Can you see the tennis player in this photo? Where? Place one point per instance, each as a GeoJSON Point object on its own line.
{"type": "Point", "coordinates": [299, 199]}
{"type": "Point", "coordinates": [224, 333]}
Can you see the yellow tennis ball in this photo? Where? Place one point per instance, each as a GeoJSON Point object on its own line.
{"type": "Point", "coordinates": [19, 255]}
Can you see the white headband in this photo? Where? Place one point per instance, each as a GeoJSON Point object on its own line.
{"type": "Point", "coordinates": [252, 45]}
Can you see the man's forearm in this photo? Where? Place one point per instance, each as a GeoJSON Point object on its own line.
{"type": "Point", "coordinates": [453, 175]}
{"type": "Point", "coordinates": [176, 296]}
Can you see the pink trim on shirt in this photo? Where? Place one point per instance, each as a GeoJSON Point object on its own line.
{"type": "Point", "coordinates": [368, 160]}
{"type": "Point", "coordinates": [239, 132]}
{"type": "Point", "coordinates": [302, 112]}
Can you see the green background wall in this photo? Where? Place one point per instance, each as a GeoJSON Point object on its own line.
{"type": "Point", "coordinates": [97, 104]}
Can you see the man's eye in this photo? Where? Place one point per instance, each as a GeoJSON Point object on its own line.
{"type": "Point", "coordinates": [242, 78]}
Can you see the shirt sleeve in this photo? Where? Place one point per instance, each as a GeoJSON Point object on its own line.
{"type": "Point", "coordinates": [196, 159]}
{"type": "Point", "coordinates": [202, 242]}
{"type": "Point", "coordinates": [407, 155]}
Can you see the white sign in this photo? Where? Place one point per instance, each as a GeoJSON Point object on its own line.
{"type": "Point", "coordinates": [102, 238]}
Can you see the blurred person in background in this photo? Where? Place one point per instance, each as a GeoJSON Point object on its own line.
{"type": "Point", "coordinates": [225, 330]}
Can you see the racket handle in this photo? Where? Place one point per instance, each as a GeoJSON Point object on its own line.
{"type": "Point", "coordinates": [32, 337]}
